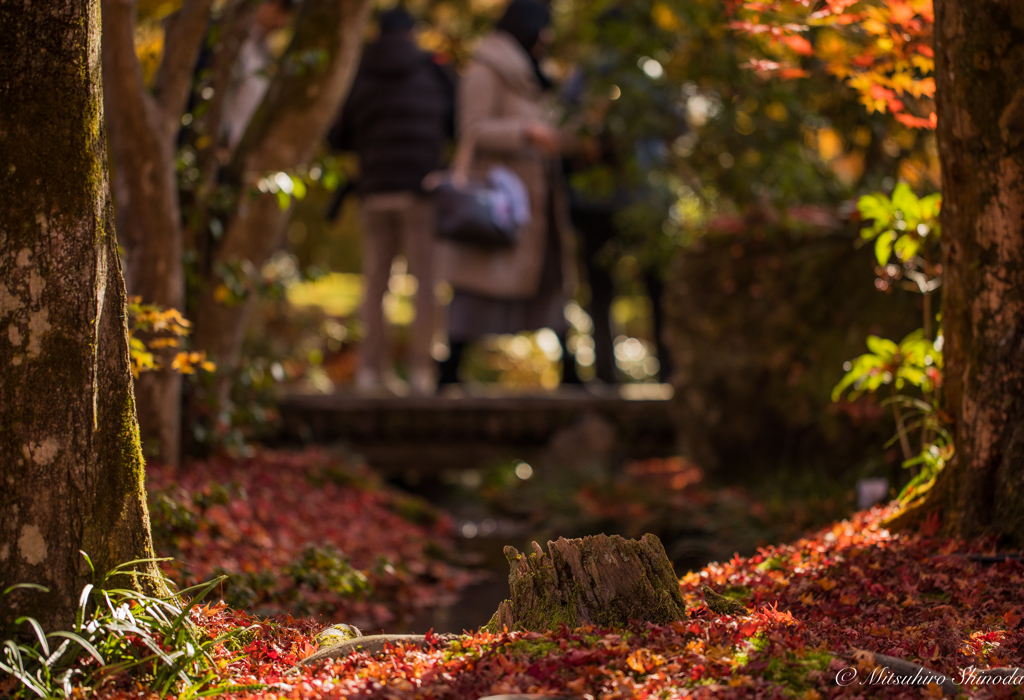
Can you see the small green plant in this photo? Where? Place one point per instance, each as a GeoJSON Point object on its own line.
{"type": "Point", "coordinates": [915, 361]}
{"type": "Point", "coordinates": [906, 227]}
{"type": "Point", "coordinates": [115, 631]}
{"type": "Point", "coordinates": [903, 224]}
{"type": "Point", "coordinates": [327, 568]}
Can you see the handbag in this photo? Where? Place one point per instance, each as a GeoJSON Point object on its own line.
{"type": "Point", "coordinates": [486, 213]}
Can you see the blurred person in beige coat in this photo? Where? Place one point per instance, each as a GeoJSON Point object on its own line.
{"type": "Point", "coordinates": [502, 107]}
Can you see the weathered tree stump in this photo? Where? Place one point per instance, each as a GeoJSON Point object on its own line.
{"type": "Point", "coordinates": [602, 580]}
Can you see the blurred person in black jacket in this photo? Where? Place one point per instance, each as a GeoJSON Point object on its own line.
{"type": "Point", "coordinates": [398, 118]}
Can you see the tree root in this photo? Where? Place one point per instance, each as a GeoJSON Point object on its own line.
{"type": "Point", "coordinates": [373, 644]}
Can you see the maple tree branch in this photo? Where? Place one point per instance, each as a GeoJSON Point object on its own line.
{"type": "Point", "coordinates": [235, 27]}
{"type": "Point", "coordinates": [183, 38]}
{"type": "Point", "coordinates": [901, 427]}
{"type": "Point", "coordinates": [211, 152]}
{"type": "Point", "coordinates": [312, 79]}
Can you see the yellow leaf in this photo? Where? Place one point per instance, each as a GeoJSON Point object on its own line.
{"type": "Point", "coordinates": [665, 18]}
{"type": "Point", "coordinates": [182, 363]}
{"type": "Point", "coordinates": [221, 293]}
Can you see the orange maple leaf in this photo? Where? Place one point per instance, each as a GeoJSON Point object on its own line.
{"type": "Point", "coordinates": [798, 44]}
{"type": "Point", "coordinates": [1012, 618]}
{"type": "Point", "coordinates": [932, 523]}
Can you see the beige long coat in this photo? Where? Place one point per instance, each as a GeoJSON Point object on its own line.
{"type": "Point", "coordinates": [499, 96]}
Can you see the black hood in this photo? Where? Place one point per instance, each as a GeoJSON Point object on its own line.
{"type": "Point", "coordinates": [392, 55]}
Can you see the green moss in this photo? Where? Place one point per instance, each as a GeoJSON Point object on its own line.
{"type": "Point", "coordinates": [534, 648]}
{"type": "Point", "coordinates": [336, 634]}
{"type": "Point", "coordinates": [458, 650]}
{"type": "Point", "coordinates": [741, 594]}
{"type": "Point", "coordinates": [772, 564]}
{"type": "Point", "coordinates": [793, 671]}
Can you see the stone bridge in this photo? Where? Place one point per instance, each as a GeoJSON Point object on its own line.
{"type": "Point", "coordinates": [429, 435]}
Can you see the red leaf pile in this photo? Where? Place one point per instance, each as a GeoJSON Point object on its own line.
{"type": "Point", "coordinates": [852, 585]}
{"type": "Point", "coordinates": [380, 553]}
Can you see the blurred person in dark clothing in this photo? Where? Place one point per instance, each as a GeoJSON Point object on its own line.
{"type": "Point", "coordinates": [398, 118]}
{"type": "Point", "coordinates": [610, 177]}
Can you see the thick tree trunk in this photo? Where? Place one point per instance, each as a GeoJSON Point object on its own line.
{"type": "Point", "coordinates": [143, 130]}
{"type": "Point", "coordinates": [284, 134]}
{"type": "Point", "coordinates": [979, 47]}
{"type": "Point", "coordinates": [70, 459]}
{"type": "Point", "coordinates": [600, 580]}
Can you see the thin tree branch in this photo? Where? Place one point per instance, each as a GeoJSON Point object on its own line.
{"type": "Point", "coordinates": [183, 39]}
{"type": "Point", "coordinates": [211, 154]}
{"type": "Point", "coordinates": [235, 28]}
{"type": "Point", "coordinates": [303, 98]}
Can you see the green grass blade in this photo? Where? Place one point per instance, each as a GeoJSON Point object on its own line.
{"type": "Point", "coordinates": [206, 588]}
{"type": "Point", "coordinates": [58, 652]}
{"type": "Point", "coordinates": [37, 628]}
{"type": "Point", "coordinates": [83, 601]}
{"type": "Point", "coordinates": [34, 586]}
{"type": "Point", "coordinates": [82, 643]}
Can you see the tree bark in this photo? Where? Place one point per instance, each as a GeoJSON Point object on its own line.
{"type": "Point", "coordinates": [314, 77]}
{"type": "Point", "coordinates": [600, 580]}
{"type": "Point", "coordinates": [143, 129]}
{"type": "Point", "coordinates": [979, 48]}
{"type": "Point", "coordinates": [70, 457]}
{"type": "Point", "coordinates": [284, 133]}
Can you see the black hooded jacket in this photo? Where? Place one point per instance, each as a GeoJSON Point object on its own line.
{"type": "Point", "coordinates": [397, 117]}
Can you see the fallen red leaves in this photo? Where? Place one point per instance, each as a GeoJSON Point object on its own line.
{"type": "Point", "coordinates": [303, 533]}
{"type": "Point", "coordinates": [853, 585]}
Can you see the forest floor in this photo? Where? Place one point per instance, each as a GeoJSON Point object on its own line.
{"type": "Point", "coordinates": [851, 586]}
{"type": "Point", "coordinates": [353, 549]}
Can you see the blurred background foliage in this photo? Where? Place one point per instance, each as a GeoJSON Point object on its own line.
{"type": "Point", "coordinates": [742, 183]}
{"type": "Point", "coordinates": [743, 200]}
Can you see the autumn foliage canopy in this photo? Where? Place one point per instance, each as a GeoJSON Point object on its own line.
{"type": "Point", "coordinates": [883, 50]}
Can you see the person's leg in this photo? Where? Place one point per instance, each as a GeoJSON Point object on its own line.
{"type": "Point", "coordinates": [656, 292]}
{"type": "Point", "coordinates": [379, 247]}
{"type": "Point", "coordinates": [448, 370]}
{"type": "Point", "coordinates": [418, 224]}
{"type": "Point", "coordinates": [595, 231]}
{"type": "Point", "coordinates": [569, 373]}
{"type": "Point", "coordinates": [602, 292]}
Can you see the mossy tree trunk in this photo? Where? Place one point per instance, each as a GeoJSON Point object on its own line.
{"type": "Point", "coordinates": [979, 48]}
{"type": "Point", "coordinates": [70, 461]}
{"type": "Point", "coordinates": [284, 133]}
{"type": "Point", "coordinates": [602, 580]}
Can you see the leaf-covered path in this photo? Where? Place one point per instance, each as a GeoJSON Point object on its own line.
{"type": "Point", "coordinates": [854, 585]}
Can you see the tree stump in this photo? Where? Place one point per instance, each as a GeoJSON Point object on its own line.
{"type": "Point", "coordinates": [603, 580]}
